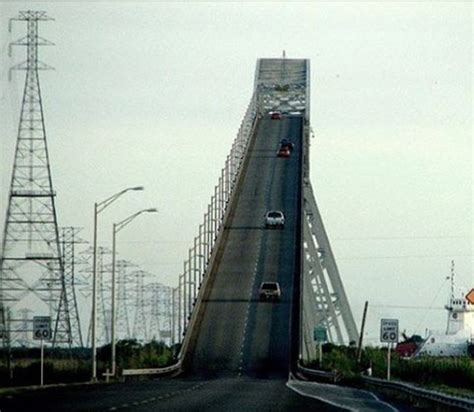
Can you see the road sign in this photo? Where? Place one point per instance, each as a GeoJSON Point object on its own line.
{"type": "Point", "coordinates": [470, 296]}
{"type": "Point", "coordinates": [42, 328]}
{"type": "Point", "coordinates": [320, 334]}
{"type": "Point", "coordinates": [389, 330]}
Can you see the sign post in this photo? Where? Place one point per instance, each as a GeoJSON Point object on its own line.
{"type": "Point", "coordinates": [42, 331]}
{"type": "Point", "coordinates": [389, 334]}
{"type": "Point", "coordinates": [320, 335]}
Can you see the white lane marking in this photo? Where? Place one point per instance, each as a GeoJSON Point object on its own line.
{"type": "Point", "coordinates": [308, 395]}
{"type": "Point", "coordinates": [247, 312]}
{"type": "Point", "coordinates": [379, 400]}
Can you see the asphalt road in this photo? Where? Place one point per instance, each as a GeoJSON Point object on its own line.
{"type": "Point", "coordinates": [227, 394]}
{"type": "Point", "coordinates": [241, 355]}
{"type": "Point", "coordinates": [238, 335]}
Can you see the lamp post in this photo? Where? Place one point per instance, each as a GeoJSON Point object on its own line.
{"type": "Point", "coordinates": [99, 207]}
{"type": "Point", "coordinates": [117, 227]}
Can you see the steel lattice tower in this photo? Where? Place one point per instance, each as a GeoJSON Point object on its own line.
{"type": "Point", "coordinates": [123, 300]}
{"type": "Point", "coordinates": [160, 312]}
{"type": "Point", "coordinates": [139, 322]}
{"type": "Point", "coordinates": [31, 268]}
{"type": "Point", "coordinates": [103, 298]}
{"type": "Point", "coordinates": [69, 240]}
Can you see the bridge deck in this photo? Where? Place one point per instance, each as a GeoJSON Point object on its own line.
{"type": "Point", "coordinates": [237, 333]}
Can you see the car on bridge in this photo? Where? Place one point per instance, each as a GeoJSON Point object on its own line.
{"type": "Point", "coordinates": [269, 291]}
{"type": "Point", "coordinates": [287, 143]}
{"type": "Point", "coordinates": [283, 152]}
{"type": "Point", "coordinates": [275, 218]}
{"type": "Point", "coordinates": [276, 116]}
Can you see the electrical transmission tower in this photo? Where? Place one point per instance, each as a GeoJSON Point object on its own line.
{"type": "Point", "coordinates": [160, 312]}
{"type": "Point", "coordinates": [69, 240]}
{"type": "Point", "coordinates": [104, 288]}
{"type": "Point", "coordinates": [139, 323]}
{"type": "Point", "coordinates": [123, 300]}
{"type": "Point", "coordinates": [31, 268]}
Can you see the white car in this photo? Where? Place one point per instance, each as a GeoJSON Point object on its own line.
{"type": "Point", "coordinates": [275, 218]}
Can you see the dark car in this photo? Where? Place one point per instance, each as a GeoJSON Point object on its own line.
{"type": "Point", "coordinates": [283, 152]}
{"type": "Point", "coordinates": [276, 115]}
{"type": "Point", "coordinates": [269, 291]}
{"type": "Point", "coordinates": [287, 143]}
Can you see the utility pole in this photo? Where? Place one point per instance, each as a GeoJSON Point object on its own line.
{"type": "Point", "coordinates": [31, 260]}
{"type": "Point", "coordinates": [361, 335]}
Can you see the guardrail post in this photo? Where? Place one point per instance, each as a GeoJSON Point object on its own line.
{"type": "Point", "coordinates": [179, 308]}
{"type": "Point", "coordinates": [209, 229]}
{"type": "Point", "coordinates": [221, 197]}
{"type": "Point", "coordinates": [173, 317]}
{"type": "Point", "coordinates": [195, 269]}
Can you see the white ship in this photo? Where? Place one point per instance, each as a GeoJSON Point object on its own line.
{"type": "Point", "coordinates": [458, 340]}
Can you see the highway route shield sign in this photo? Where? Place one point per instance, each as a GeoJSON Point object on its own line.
{"type": "Point", "coordinates": [389, 330]}
{"type": "Point", "coordinates": [42, 328]}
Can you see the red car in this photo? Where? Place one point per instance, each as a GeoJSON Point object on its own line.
{"type": "Point", "coordinates": [283, 152]}
{"type": "Point", "coordinates": [276, 115]}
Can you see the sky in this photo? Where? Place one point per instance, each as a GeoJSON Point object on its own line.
{"type": "Point", "coordinates": [152, 94]}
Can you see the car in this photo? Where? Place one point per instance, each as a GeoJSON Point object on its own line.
{"type": "Point", "coordinates": [283, 152]}
{"type": "Point", "coordinates": [276, 115]}
{"type": "Point", "coordinates": [275, 218]}
{"type": "Point", "coordinates": [269, 291]}
{"type": "Point", "coordinates": [287, 143]}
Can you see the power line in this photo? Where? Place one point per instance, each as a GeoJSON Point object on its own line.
{"type": "Point", "coordinates": [407, 307]}
{"type": "Point", "coordinates": [403, 257]}
{"type": "Point", "coordinates": [403, 237]}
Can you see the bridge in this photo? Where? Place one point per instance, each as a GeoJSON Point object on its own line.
{"type": "Point", "coordinates": [227, 329]}
{"type": "Point", "coordinates": [236, 351]}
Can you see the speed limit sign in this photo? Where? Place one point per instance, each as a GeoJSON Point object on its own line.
{"type": "Point", "coordinates": [389, 330]}
{"type": "Point", "coordinates": [42, 328]}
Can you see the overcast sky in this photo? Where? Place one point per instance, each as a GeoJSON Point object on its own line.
{"type": "Point", "coordinates": [152, 94]}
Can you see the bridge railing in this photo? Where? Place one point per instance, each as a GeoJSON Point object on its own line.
{"type": "Point", "coordinates": [198, 262]}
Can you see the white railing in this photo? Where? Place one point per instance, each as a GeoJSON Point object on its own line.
{"type": "Point", "coordinates": [197, 264]}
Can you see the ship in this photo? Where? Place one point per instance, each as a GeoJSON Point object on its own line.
{"type": "Point", "coordinates": [458, 338]}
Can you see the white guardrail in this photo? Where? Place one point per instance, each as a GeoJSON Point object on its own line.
{"type": "Point", "coordinates": [442, 399]}
{"type": "Point", "coordinates": [168, 370]}
{"type": "Point", "coordinates": [426, 394]}
{"type": "Point", "coordinates": [189, 301]}
{"type": "Point", "coordinates": [318, 374]}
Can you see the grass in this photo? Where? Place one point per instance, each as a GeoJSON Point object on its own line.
{"type": "Point", "coordinates": [67, 366]}
{"type": "Point", "coordinates": [452, 375]}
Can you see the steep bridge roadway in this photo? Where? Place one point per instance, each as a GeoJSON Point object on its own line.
{"type": "Point", "coordinates": [237, 334]}
{"type": "Point", "coordinates": [243, 350]}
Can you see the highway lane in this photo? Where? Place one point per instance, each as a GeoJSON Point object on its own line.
{"type": "Point", "coordinates": [237, 333]}
{"type": "Point", "coordinates": [242, 342]}
{"type": "Point", "coordinates": [227, 394]}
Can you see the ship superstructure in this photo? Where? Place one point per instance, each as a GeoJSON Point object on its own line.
{"type": "Point", "coordinates": [459, 336]}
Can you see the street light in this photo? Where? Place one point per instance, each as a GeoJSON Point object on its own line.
{"type": "Point", "coordinates": [99, 207]}
{"type": "Point", "coordinates": [117, 227]}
